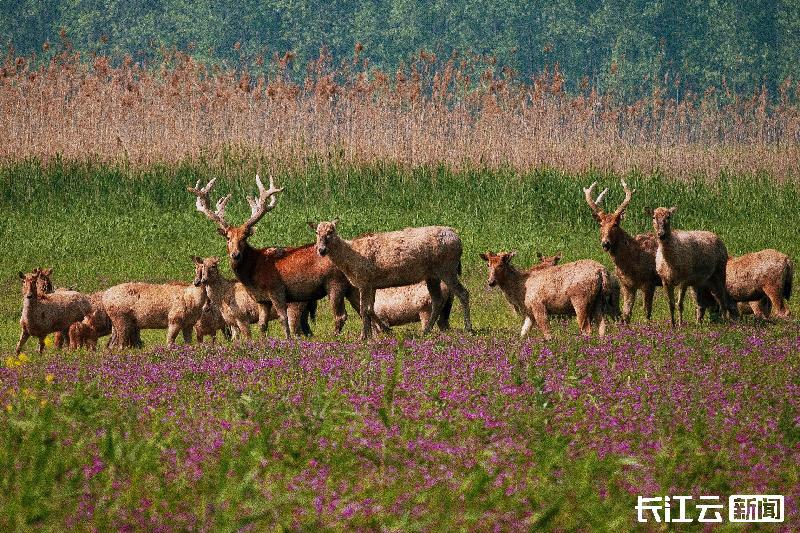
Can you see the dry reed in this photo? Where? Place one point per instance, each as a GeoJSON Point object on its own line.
{"type": "Point", "coordinates": [453, 112]}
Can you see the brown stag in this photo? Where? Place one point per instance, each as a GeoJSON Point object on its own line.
{"type": "Point", "coordinates": [275, 277]}
{"type": "Point", "coordinates": [634, 257]}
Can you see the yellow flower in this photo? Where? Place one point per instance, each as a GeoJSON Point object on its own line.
{"type": "Point", "coordinates": [48, 341]}
{"type": "Point", "coordinates": [9, 407]}
{"type": "Point", "coordinates": [49, 378]}
{"type": "Point", "coordinates": [23, 358]}
{"type": "Point", "coordinates": [43, 403]}
{"type": "Point", "coordinates": [28, 393]}
{"type": "Point", "coordinates": [11, 362]}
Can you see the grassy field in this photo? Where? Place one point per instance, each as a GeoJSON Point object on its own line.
{"type": "Point", "coordinates": [454, 432]}
{"type": "Point", "coordinates": [99, 225]}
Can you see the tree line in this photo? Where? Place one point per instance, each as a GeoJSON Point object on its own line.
{"type": "Point", "coordinates": [625, 46]}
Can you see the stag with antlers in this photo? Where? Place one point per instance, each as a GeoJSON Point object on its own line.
{"type": "Point", "coordinates": [276, 276]}
{"type": "Point", "coordinates": [634, 257]}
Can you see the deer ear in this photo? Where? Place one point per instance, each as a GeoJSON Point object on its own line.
{"type": "Point", "coordinates": [507, 257]}
{"type": "Point", "coordinates": [46, 271]}
{"type": "Point", "coordinates": [312, 226]}
{"type": "Point", "coordinates": [648, 211]}
{"type": "Point", "coordinates": [222, 232]}
{"type": "Point", "coordinates": [482, 255]}
{"type": "Point", "coordinates": [673, 209]}
{"type": "Point", "coordinates": [197, 260]}
{"type": "Point", "coordinates": [335, 221]}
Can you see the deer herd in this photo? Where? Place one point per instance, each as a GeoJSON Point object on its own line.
{"type": "Point", "coordinates": [400, 277]}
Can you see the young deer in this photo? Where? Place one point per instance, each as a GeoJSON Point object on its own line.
{"type": "Point", "coordinates": [694, 259]}
{"type": "Point", "coordinates": [84, 334]}
{"type": "Point", "coordinates": [135, 306]}
{"type": "Point", "coordinates": [760, 281]}
{"type": "Point", "coordinates": [634, 257]}
{"type": "Point", "coordinates": [238, 309]}
{"type": "Point", "coordinates": [584, 289]}
{"type": "Point", "coordinates": [45, 313]}
{"type": "Point", "coordinates": [276, 277]}
{"type": "Point", "coordinates": [396, 258]}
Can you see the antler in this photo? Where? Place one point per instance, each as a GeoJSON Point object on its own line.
{"type": "Point", "coordinates": [258, 206]}
{"type": "Point", "coordinates": [593, 203]}
{"type": "Point", "coordinates": [203, 204]}
{"type": "Point", "coordinates": [627, 200]}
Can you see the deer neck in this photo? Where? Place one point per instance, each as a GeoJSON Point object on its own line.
{"type": "Point", "coordinates": [246, 265]}
{"type": "Point", "coordinates": [625, 250]}
{"type": "Point", "coordinates": [512, 283]}
{"type": "Point", "coordinates": [342, 254]}
{"type": "Point", "coordinates": [28, 306]}
{"type": "Point", "coordinates": [218, 290]}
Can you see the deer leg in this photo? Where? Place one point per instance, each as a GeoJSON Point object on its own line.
{"type": "Point", "coordinates": [435, 291]}
{"type": "Point", "coordinates": [23, 336]}
{"type": "Point", "coordinates": [455, 287]}
{"type": "Point", "coordinates": [279, 301]}
{"type": "Point", "coordinates": [526, 327]}
{"type": "Point", "coordinates": [336, 295]}
{"type": "Point", "coordinates": [670, 290]}
{"type": "Point", "coordinates": [187, 335]}
{"type": "Point", "coordinates": [681, 295]}
{"type": "Point", "coordinates": [540, 315]}
{"type": "Point", "coordinates": [243, 328]}
{"type": "Point", "coordinates": [444, 315]}
{"type": "Point", "coordinates": [628, 299]}
{"type": "Point", "coordinates": [775, 296]}
{"type": "Point", "coordinates": [41, 344]}
{"type": "Point", "coordinates": [582, 314]}
{"type": "Point", "coordinates": [727, 306]}
{"type": "Point", "coordinates": [172, 332]}
{"type": "Point", "coordinates": [264, 310]}
{"type": "Point", "coordinates": [366, 304]}
{"type": "Point", "coordinates": [649, 293]}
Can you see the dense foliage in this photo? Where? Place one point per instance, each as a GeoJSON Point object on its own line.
{"type": "Point", "coordinates": [625, 45]}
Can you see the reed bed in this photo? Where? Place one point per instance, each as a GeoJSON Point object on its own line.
{"type": "Point", "coordinates": [457, 112]}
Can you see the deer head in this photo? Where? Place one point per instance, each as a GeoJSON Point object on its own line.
{"type": "Point", "coordinates": [236, 235]}
{"type": "Point", "coordinates": [661, 221]}
{"type": "Point", "coordinates": [326, 232]}
{"type": "Point", "coordinates": [206, 270]}
{"type": "Point", "coordinates": [610, 230]}
{"type": "Point", "coordinates": [30, 284]}
{"type": "Point", "coordinates": [498, 263]}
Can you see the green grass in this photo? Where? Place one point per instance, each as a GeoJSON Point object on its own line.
{"type": "Point", "coordinates": [100, 224]}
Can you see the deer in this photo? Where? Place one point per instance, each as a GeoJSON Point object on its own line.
{"type": "Point", "coordinates": [275, 277]}
{"type": "Point", "coordinates": [209, 323]}
{"type": "Point", "coordinates": [85, 333]}
{"type": "Point", "coordinates": [397, 306]}
{"type": "Point", "coordinates": [134, 306]}
{"type": "Point", "coordinates": [238, 309]}
{"type": "Point", "coordinates": [634, 257]}
{"type": "Point", "coordinates": [45, 313]}
{"type": "Point", "coordinates": [584, 289]}
{"type": "Point", "coordinates": [759, 281]}
{"type": "Point", "coordinates": [696, 259]}
{"type": "Point", "coordinates": [392, 259]}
